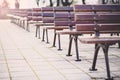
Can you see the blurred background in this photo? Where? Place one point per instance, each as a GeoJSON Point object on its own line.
{"type": "Point", "coordinates": [20, 4]}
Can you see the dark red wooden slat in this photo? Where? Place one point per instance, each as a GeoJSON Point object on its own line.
{"type": "Point", "coordinates": [47, 9]}
{"type": "Point", "coordinates": [83, 8]}
{"type": "Point", "coordinates": [63, 8]}
{"type": "Point", "coordinates": [36, 9]}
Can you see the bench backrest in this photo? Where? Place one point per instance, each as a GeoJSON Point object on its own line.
{"type": "Point", "coordinates": [106, 8]}
{"type": "Point", "coordinates": [103, 22]}
{"type": "Point", "coordinates": [17, 12]}
{"type": "Point", "coordinates": [85, 18]}
{"type": "Point", "coordinates": [83, 8]}
{"type": "Point", "coordinates": [108, 18]}
{"type": "Point", "coordinates": [63, 9]}
{"type": "Point", "coordinates": [29, 14]}
{"type": "Point", "coordinates": [47, 15]}
{"type": "Point", "coordinates": [23, 12]}
{"type": "Point", "coordinates": [97, 8]}
{"type": "Point", "coordinates": [64, 16]}
{"type": "Point", "coordinates": [36, 14]}
{"type": "Point", "coordinates": [64, 19]}
{"type": "Point", "coordinates": [95, 19]}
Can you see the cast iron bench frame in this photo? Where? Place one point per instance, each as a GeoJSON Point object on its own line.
{"type": "Point", "coordinates": [102, 23]}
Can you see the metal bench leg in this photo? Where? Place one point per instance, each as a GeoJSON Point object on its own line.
{"type": "Point", "coordinates": [14, 21]}
{"type": "Point", "coordinates": [39, 32]}
{"type": "Point", "coordinates": [76, 47]}
{"type": "Point", "coordinates": [70, 45]}
{"type": "Point", "coordinates": [97, 47]}
{"type": "Point", "coordinates": [27, 28]}
{"type": "Point", "coordinates": [47, 36]}
{"type": "Point", "coordinates": [117, 34]}
{"type": "Point", "coordinates": [111, 34]}
{"type": "Point", "coordinates": [43, 35]}
{"type": "Point", "coordinates": [70, 36]}
{"type": "Point", "coordinates": [36, 31]}
{"type": "Point", "coordinates": [119, 45]}
{"type": "Point", "coordinates": [105, 50]}
{"type": "Point", "coordinates": [19, 23]}
{"type": "Point", "coordinates": [59, 43]}
{"type": "Point", "coordinates": [54, 39]}
{"type": "Point", "coordinates": [24, 24]}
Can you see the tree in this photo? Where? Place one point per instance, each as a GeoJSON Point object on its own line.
{"type": "Point", "coordinates": [104, 1]}
{"type": "Point", "coordinates": [58, 3]}
{"type": "Point", "coordinates": [51, 3]}
{"type": "Point", "coordinates": [83, 1]}
{"type": "Point", "coordinates": [17, 4]}
{"type": "Point", "coordinates": [66, 2]}
{"type": "Point", "coordinates": [37, 1]}
{"type": "Point", "coordinates": [115, 1]}
{"type": "Point", "coordinates": [63, 2]}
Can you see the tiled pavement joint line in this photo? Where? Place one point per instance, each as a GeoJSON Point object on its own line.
{"type": "Point", "coordinates": [53, 65]}
{"type": "Point", "coordinates": [38, 52]}
{"type": "Point", "coordinates": [41, 56]}
{"type": "Point", "coordinates": [93, 78]}
{"type": "Point", "coordinates": [44, 58]}
{"type": "Point", "coordinates": [50, 63]}
{"type": "Point", "coordinates": [65, 60]}
{"type": "Point", "coordinates": [28, 64]}
{"type": "Point", "coordinates": [1, 45]}
{"type": "Point", "coordinates": [116, 55]}
{"type": "Point", "coordinates": [21, 55]}
{"type": "Point", "coordinates": [75, 65]}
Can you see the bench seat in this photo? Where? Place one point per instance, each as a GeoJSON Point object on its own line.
{"type": "Point", "coordinates": [101, 40]}
{"type": "Point", "coordinates": [57, 28]}
{"type": "Point", "coordinates": [104, 43]}
{"type": "Point", "coordinates": [69, 32]}
{"type": "Point", "coordinates": [43, 24]}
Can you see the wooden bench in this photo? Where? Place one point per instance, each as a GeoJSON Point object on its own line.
{"type": "Point", "coordinates": [34, 16]}
{"type": "Point", "coordinates": [80, 9]}
{"type": "Point", "coordinates": [103, 23]}
{"type": "Point", "coordinates": [53, 27]}
{"type": "Point", "coordinates": [63, 21]}
{"type": "Point", "coordinates": [40, 17]}
{"type": "Point", "coordinates": [11, 14]}
{"type": "Point", "coordinates": [23, 17]}
{"type": "Point", "coordinates": [87, 10]}
{"type": "Point", "coordinates": [62, 18]}
{"type": "Point", "coordinates": [106, 8]}
{"type": "Point", "coordinates": [29, 18]}
{"type": "Point", "coordinates": [18, 16]}
{"type": "Point", "coordinates": [48, 20]}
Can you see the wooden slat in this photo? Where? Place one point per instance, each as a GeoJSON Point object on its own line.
{"type": "Point", "coordinates": [106, 8]}
{"type": "Point", "coordinates": [63, 8]}
{"type": "Point", "coordinates": [107, 40]}
{"type": "Point", "coordinates": [83, 8]}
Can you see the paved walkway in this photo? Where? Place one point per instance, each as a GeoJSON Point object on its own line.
{"type": "Point", "coordinates": [24, 57]}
